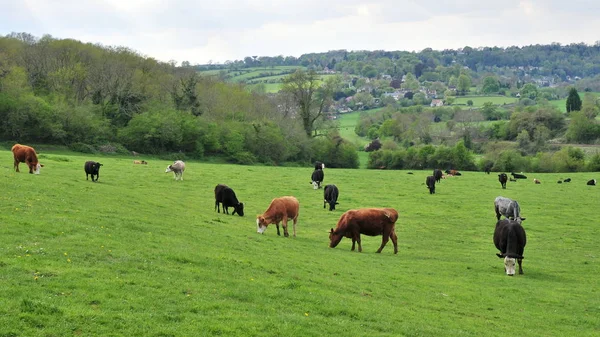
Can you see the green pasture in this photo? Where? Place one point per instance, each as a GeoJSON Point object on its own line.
{"type": "Point", "coordinates": [479, 100]}
{"type": "Point", "coordinates": [140, 254]}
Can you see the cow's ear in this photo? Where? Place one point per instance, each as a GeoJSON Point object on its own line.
{"type": "Point", "coordinates": [331, 231]}
{"type": "Point", "coordinates": [500, 255]}
{"type": "Point", "coordinates": [41, 165]}
{"type": "Point", "coordinates": [337, 203]}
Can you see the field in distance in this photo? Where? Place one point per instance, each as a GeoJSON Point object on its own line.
{"type": "Point", "coordinates": [140, 254]}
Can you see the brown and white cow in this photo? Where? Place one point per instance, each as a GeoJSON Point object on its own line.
{"type": "Point", "coordinates": [367, 221]}
{"type": "Point", "coordinates": [280, 210]}
{"type": "Point", "coordinates": [26, 154]}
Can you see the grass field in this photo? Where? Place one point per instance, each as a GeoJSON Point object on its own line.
{"type": "Point", "coordinates": [140, 254]}
{"type": "Point", "coordinates": [479, 100]}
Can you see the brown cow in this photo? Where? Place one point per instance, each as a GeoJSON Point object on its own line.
{"type": "Point", "coordinates": [368, 221]}
{"type": "Point", "coordinates": [143, 162]}
{"type": "Point", "coordinates": [280, 210]}
{"type": "Point", "coordinates": [26, 154]}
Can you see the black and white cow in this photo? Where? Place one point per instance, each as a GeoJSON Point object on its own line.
{"type": "Point", "coordinates": [437, 174]}
{"type": "Point", "coordinates": [178, 167]}
{"type": "Point", "coordinates": [591, 182]}
{"type": "Point", "coordinates": [92, 168]}
{"type": "Point", "coordinates": [509, 208]}
{"type": "Point", "coordinates": [330, 196]}
{"type": "Point", "coordinates": [226, 196]}
{"type": "Point", "coordinates": [503, 178]}
{"type": "Point", "coordinates": [510, 240]}
{"type": "Point", "coordinates": [317, 178]}
{"type": "Point", "coordinates": [430, 182]}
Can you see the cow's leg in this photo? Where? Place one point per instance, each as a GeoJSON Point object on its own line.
{"type": "Point", "coordinates": [356, 237]}
{"type": "Point", "coordinates": [394, 238]}
{"type": "Point", "coordinates": [294, 224]}
{"type": "Point", "coordinates": [284, 225]}
{"type": "Point", "coordinates": [277, 225]}
{"type": "Point", "coordinates": [385, 237]}
{"type": "Point", "coordinates": [17, 165]}
{"type": "Point", "coordinates": [87, 176]}
{"type": "Point", "coordinates": [353, 243]}
{"type": "Point", "coordinates": [217, 208]}
{"type": "Point", "coordinates": [520, 261]}
{"type": "Point", "coordinates": [225, 209]}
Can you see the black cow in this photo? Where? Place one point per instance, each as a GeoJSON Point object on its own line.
{"type": "Point", "coordinates": [503, 178]}
{"type": "Point", "coordinates": [319, 165]}
{"type": "Point", "coordinates": [568, 180]}
{"type": "Point", "coordinates": [317, 178]}
{"type": "Point", "coordinates": [93, 168]}
{"type": "Point", "coordinates": [510, 239]}
{"type": "Point", "coordinates": [430, 182]}
{"type": "Point", "coordinates": [518, 175]}
{"type": "Point", "coordinates": [226, 196]}
{"type": "Point", "coordinates": [330, 196]}
{"type": "Point", "coordinates": [591, 182]}
{"type": "Point", "coordinates": [437, 174]}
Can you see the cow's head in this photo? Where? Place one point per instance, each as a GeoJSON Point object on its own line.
{"type": "Point", "coordinates": [239, 209]}
{"type": "Point", "coordinates": [261, 224]}
{"type": "Point", "coordinates": [37, 168]}
{"type": "Point", "coordinates": [315, 185]}
{"type": "Point", "coordinates": [169, 169]}
{"type": "Point", "coordinates": [332, 205]}
{"type": "Point", "coordinates": [509, 265]}
{"type": "Point", "coordinates": [97, 167]}
{"type": "Point", "coordinates": [519, 219]}
{"type": "Point", "coordinates": [334, 238]}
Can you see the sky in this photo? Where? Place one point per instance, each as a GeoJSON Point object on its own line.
{"type": "Point", "coordinates": [217, 31]}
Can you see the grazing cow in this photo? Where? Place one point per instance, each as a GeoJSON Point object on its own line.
{"type": "Point", "coordinates": [430, 182]}
{"type": "Point", "coordinates": [518, 175]}
{"type": "Point", "coordinates": [330, 196]}
{"type": "Point", "coordinates": [503, 177]}
{"type": "Point", "coordinates": [143, 162]}
{"type": "Point", "coordinates": [92, 168]}
{"type": "Point", "coordinates": [437, 174]}
{"type": "Point", "coordinates": [591, 182]}
{"type": "Point", "coordinates": [317, 178]}
{"type": "Point", "coordinates": [510, 239]}
{"type": "Point", "coordinates": [226, 196]}
{"type": "Point", "coordinates": [509, 208]}
{"type": "Point", "coordinates": [177, 168]}
{"type": "Point", "coordinates": [367, 221]}
{"type": "Point", "coordinates": [26, 154]}
{"type": "Point", "coordinates": [319, 165]}
{"type": "Point", "coordinates": [536, 181]}
{"type": "Point", "coordinates": [453, 173]}
{"type": "Point", "coordinates": [280, 210]}
{"type": "Point", "coordinates": [568, 180]}
{"type": "Point", "coordinates": [560, 182]}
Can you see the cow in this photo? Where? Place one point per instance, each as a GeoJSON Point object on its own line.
{"type": "Point", "coordinates": [280, 210]}
{"type": "Point", "coordinates": [488, 170]}
{"type": "Point", "coordinates": [589, 183]}
{"type": "Point", "coordinates": [518, 175]}
{"type": "Point", "coordinates": [330, 196]}
{"type": "Point", "coordinates": [568, 180]}
{"type": "Point", "coordinates": [319, 165]}
{"type": "Point", "coordinates": [226, 196]}
{"type": "Point", "coordinates": [510, 240]}
{"type": "Point", "coordinates": [367, 221]}
{"type": "Point", "coordinates": [503, 177]}
{"type": "Point", "coordinates": [536, 181]}
{"type": "Point", "coordinates": [509, 208]}
{"type": "Point", "coordinates": [26, 154]}
{"type": "Point", "coordinates": [317, 178]}
{"type": "Point", "coordinates": [430, 182]}
{"type": "Point", "coordinates": [453, 173]}
{"type": "Point", "coordinates": [142, 162]}
{"type": "Point", "coordinates": [177, 168]}
{"type": "Point", "coordinates": [559, 182]}
{"type": "Point", "coordinates": [92, 168]}
{"type": "Point", "coordinates": [438, 175]}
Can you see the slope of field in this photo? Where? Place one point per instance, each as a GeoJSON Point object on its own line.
{"type": "Point", "coordinates": [140, 254]}
{"type": "Point", "coordinates": [479, 100]}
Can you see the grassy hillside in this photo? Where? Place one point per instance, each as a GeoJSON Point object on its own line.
{"type": "Point", "coordinates": [140, 254]}
{"type": "Point", "coordinates": [479, 100]}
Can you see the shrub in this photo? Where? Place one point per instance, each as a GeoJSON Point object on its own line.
{"type": "Point", "coordinates": [82, 147]}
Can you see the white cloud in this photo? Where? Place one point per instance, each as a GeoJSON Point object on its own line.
{"type": "Point", "coordinates": [199, 31]}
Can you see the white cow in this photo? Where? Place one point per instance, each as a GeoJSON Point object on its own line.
{"type": "Point", "coordinates": [177, 168]}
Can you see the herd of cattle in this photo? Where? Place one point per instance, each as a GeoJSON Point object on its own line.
{"type": "Point", "coordinates": [509, 234]}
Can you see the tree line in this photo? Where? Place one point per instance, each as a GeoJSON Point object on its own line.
{"type": "Point", "coordinates": [92, 97]}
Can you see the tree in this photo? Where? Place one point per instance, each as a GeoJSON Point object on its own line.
{"type": "Point", "coordinates": [309, 95]}
{"type": "Point", "coordinates": [490, 85]}
{"type": "Point", "coordinates": [464, 84]}
{"type": "Point", "coordinates": [410, 82]}
{"type": "Point", "coordinates": [589, 107]}
{"type": "Point", "coordinates": [573, 101]}
{"type": "Point", "coordinates": [530, 91]}
{"type": "Point", "coordinates": [470, 102]}
{"type": "Point", "coordinates": [490, 111]}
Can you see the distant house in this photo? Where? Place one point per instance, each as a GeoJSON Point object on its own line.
{"type": "Point", "coordinates": [437, 102]}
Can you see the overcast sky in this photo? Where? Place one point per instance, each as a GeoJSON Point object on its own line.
{"type": "Point", "coordinates": [220, 30]}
